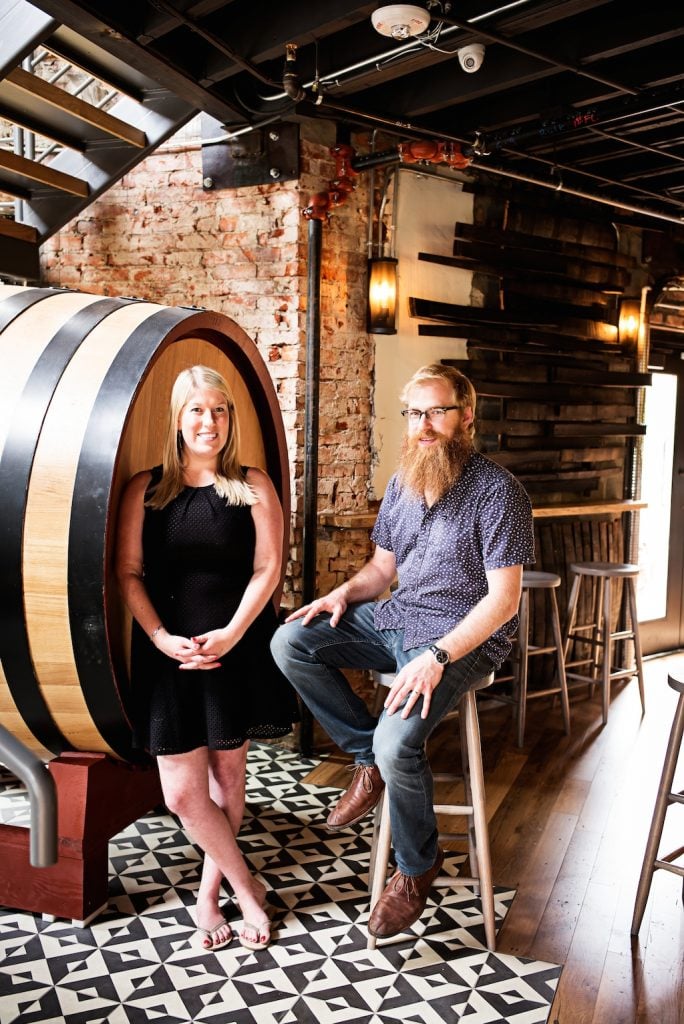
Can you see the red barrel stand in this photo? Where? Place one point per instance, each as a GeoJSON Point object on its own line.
{"type": "Point", "coordinates": [97, 797]}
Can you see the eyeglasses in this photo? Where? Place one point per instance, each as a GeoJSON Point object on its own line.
{"type": "Point", "coordinates": [435, 415]}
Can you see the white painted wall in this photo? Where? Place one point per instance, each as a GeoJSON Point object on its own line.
{"type": "Point", "coordinates": [426, 209]}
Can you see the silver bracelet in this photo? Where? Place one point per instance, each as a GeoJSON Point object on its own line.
{"type": "Point", "coordinates": [155, 631]}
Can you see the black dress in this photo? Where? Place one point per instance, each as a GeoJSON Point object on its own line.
{"type": "Point", "coordinates": [198, 555]}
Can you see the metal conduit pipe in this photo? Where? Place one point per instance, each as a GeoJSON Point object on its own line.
{"type": "Point", "coordinates": [42, 796]}
{"type": "Point", "coordinates": [383, 159]}
{"type": "Point", "coordinates": [311, 406]}
{"type": "Point", "coordinates": [558, 186]}
{"type": "Point", "coordinates": [371, 196]}
{"type": "Point", "coordinates": [609, 113]}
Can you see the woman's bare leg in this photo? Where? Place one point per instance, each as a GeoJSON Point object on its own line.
{"type": "Point", "coordinates": [227, 774]}
{"type": "Point", "coordinates": [206, 790]}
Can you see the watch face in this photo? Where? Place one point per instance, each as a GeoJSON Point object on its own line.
{"type": "Point", "coordinates": [440, 655]}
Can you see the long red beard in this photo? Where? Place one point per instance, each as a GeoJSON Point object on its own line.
{"type": "Point", "coordinates": [436, 468]}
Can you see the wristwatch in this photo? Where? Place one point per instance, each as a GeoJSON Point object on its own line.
{"type": "Point", "coordinates": [439, 654]}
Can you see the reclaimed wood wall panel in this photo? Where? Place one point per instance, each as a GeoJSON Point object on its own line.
{"type": "Point", "coordinates": [557, 394]}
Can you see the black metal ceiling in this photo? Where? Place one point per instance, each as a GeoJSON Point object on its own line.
{"type": "Point", "coordinates": [581, 95]}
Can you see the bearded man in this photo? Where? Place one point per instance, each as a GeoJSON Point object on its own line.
{"type": "Point", "coordinates": [455, 530]}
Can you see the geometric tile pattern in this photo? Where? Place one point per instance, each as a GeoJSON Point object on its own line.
{"type": "Point", "coordinates": [139, 962]}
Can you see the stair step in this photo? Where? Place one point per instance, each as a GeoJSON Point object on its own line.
{"type": "Point", "coordinates": [18, 176]}
{"type": "Point", "coordinates": [25, 97]}
{"type": "Point", "coordinates": [22, 232]}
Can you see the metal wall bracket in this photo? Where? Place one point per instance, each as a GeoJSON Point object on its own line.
{"type": "Point", "coordinates": [259, 157]}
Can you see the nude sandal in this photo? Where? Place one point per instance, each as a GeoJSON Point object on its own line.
{"type": "Point", "coordinates": [209, 933]}
{"type": "Point", "coordinates": [259, 931]}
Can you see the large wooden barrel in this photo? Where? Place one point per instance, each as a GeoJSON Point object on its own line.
{"type": "Point", "coordinates": [84, 392]}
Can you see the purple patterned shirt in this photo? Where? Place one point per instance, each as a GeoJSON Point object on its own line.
{"type": "Point", "coordinates": [444, 552]}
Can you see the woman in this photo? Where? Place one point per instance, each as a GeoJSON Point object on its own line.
{"type": "Point", "coordinates": [198, 559]}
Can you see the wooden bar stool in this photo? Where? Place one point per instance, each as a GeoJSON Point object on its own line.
{"type": "Point", "coordinates": [664, 799]}
{"type": "Point", "coordinates": [474, 810]}
{"type": "Point", "coordinates": [601, 637]}
{"type": "Point", "coordinates": [523, 650]}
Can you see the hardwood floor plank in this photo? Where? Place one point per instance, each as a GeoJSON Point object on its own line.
{"type": "Point", "coordinates": [581, 978]}
{"type": "Point", "coordinates": [538, 881]}
{"type": "Point", "coordinates": [617, 997]}
{"type": "Point", "coordinates": [554, 936]}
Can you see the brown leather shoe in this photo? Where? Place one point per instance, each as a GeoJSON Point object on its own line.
{"type": "Point", "coordinates": [403, 901]}
{"type": "Point", "coordinates": [361, 797]}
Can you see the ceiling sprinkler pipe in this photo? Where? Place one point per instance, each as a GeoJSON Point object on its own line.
{"type": "Point", "coordinates": [291, 82]}
{"type": "Point", "coordinates": [558, 186]}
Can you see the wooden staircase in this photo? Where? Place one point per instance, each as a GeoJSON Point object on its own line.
{"type": "Point", "coordinates": [58, 149]}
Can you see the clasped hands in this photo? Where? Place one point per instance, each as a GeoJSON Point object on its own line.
{"type": "Point", "coordinates": [196, 652]}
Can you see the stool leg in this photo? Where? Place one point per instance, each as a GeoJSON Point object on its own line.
{"type": "Point", "coordinates": [599, 635]}
{"type": "Point", "coordinates": [373, 862]}
{"type": "Point", "coordinates": [656, 830]}
{"type": "Point", "coordinates": [469, 709]}
{"type": "Point", "coordinates": [607, 649]}
{"type": "Point", "coordinates": [631, 598]}
{"type": "Point", "coordinates": [468, 793]}
{"type": "Point", "coordinates": [560, 662]}
{"type": "Point", "coordinates": [382, 841]}
{"type": "Point", "coordinates": [572, 612]}
{"type": "Point", "coordinates": [522, 663]}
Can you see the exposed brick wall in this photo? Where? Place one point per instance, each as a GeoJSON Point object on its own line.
{"type": "Point", "coordinates": [159, 235]}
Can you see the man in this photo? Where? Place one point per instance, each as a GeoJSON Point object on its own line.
{"type": "Point", "coordinates": [456, 529]}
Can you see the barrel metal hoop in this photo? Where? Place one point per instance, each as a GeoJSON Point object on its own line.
{"type": "Point", "coordinates": [90, 519]}
{"type": "Point", "coordinates": [15, 470]}
{"type": "Point", "coordinates": [15, 305]}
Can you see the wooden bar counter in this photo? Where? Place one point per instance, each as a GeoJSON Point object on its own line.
{"type": "Point", "coordinates": [590, 507]}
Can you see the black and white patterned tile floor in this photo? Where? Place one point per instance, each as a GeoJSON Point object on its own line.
{"type": "Point", "coordinates": [139, 961]}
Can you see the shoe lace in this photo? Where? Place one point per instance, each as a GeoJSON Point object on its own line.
{"type": "Point", "coordinates": [405, 885]}
{"type": "Point", "coordinates": [366, 775]}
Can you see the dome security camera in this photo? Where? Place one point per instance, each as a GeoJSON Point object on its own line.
{"type": "Point", "coordinates": [470, 57]}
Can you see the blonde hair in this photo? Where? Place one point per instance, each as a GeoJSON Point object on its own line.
{"type": "Point", "coordinates": [230, 480]}
{"type": "Point", "coordinates": [464, 392]}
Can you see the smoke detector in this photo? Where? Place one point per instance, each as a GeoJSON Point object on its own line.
{"type": "Point", "coordinates": [400, 20]}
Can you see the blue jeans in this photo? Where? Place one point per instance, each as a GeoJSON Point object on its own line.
{"type": "Point", "coordinates": [311, 657]}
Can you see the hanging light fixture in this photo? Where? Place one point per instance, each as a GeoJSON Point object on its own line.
{"type": "Point", "coordinates": [382, 294]}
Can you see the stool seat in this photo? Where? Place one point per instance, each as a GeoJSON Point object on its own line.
{"type": "Point", "coordinates": [473, 809]}
{"type": "Point", "coordinates": [540, 580]}
{"type": "Point", "coordinates": [614, 570]}
{"type": "Point", "coordinates": [665, 798]}
{"type": "Point", "coordinates": [598, 634]}
{"type": "Point", "coordinates": [534, 579]}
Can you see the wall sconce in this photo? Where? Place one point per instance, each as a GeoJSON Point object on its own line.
{"type": "Point", "coordinates": [629, 321]}
{"type": "Point", "coordinates": [382, 295]}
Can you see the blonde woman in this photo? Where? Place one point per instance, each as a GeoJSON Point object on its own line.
{"type": "Point", "coordinates": [198, 559]}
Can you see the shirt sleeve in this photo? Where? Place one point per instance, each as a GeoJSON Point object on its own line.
{"type": "Point", "coordinates": [507, 530]}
